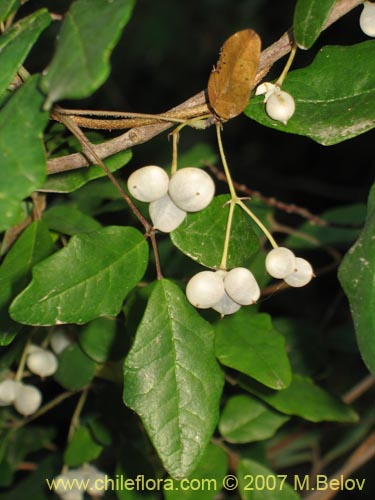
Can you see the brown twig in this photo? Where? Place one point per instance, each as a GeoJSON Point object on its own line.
{"type": "Point", "coordinates": [140, 135]}
{"type": "Point", "coordinates": [355, 392]}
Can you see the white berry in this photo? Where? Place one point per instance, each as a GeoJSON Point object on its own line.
{"type": "Point", "coordinates": [76, 478]}
{"type": "Point", "coordinates": [226, 305]}
{"type": "Point", "coordinates": [165, 215]}
{"type": "Point", "coordinates": [148, 183]}
{"type": "Point", "coordinates": [241, 286]}
{"type": "Point", "coordinates": [97, 480]}
{"type": "Point", "coordinates": [280, 106]}
{"type": "Point", "coordinates": [8, 391]}
{"type": "Point", "coordinates": [302, 274]}
{"type": "Point", "coordinates": [191, 189]}
{"type": "Point", "coordinates": [280, 262]}
{"type": "Point", "coordinates": [43, 363]}
{"type": "Point", "coordinates": [367, 19]}
{"type": "Point", "coordinates": [205, 289]}
{"type": "Point", "coordinates": [59, 340]}
{"type": "Point", "coordinates": [28, 400]}
{"type": "Point", "coordinates": [266, 89]}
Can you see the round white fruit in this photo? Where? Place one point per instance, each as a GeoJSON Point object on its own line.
{"type": "Point", "coordinates": [241, 286]}
{"type": "Point", "coordinates": [367, 19]}
{"type": "Point", "coordinates": [28, 399]}
{"type": "Point", "coordinates": [280, 106]}
{"type": "Point", "coordinates": [205, 289]}
{"type": "Point", "coordinates": [191, 189]}
{"type": "Point", "coordinates": [8, 391]}
{"type": "Point", "coordinates": [302, 275]}
{"type": "Point", "coordinates": [59, 340]}
{"type": "Point", "coordinates": [97, 479]}
{"type": "Point", "coordinates": [280, 262]}
{"type": "Point", "coordinates": [148, 183]}
{"type": "Point", "coordinates": [226, 305]}
{"type": "Point", "coordinates": [165, 215]}
{"type": "Point", "coordinates": [43, 363]}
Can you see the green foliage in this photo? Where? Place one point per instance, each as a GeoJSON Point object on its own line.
{"type": "Point", "coordinates": [146, 384]}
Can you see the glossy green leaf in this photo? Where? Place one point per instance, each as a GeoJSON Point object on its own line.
{"type": "Point", "coordinates": [66, 182]}
{"type": "Point", "coordinates": [201, 235]}
{"type": "Point", "coordinates": [21, 153]}
{"type": "Point", "coordinates": [90, 30]}
{"type": "Point", "coordinates": [356, 274]}
{"type": "Point", "coordinates": [245, 419]}
{"type": "Point", "coordinates": [16, 43]}
{"type": "Point", "coordinates": [304, 399]}
{"type": "Point", "coordinates": [82, 448]}
{"type": "Point", "coordinates": [75, 370]}
{"type": "Point", "coordinates": [68, 219]}
{"type": "Point", "coordinates": [209, 472]}
{"type": "Point", "coordinates": [88, 278]}
{"type": "Point", "coordinates": [99, 339]}
{"type": "Point", "coordinates": [332, 103]}
{"type": "Point", "coordinates": [7, 7]}
{"type": "Point", "coordinates": [32, 246]}
{"type": "Point", "coordinates": [172, 380]}
{"type": "Point", "coordinates": [257, 482]}
{"type": "Point", "coordinates": [309, 19]}
{"type": "Point", "coordinates": [198, 155]}
{"type": "Point", "coordinates": [250, 344]}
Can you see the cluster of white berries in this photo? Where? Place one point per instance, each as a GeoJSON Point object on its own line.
{"type": "Point", "coordinates": [367, 19]}
{"type": "Point", "coordinates": [27, 398]}
{"type": "Point", "coordinates": [189, 189]}
{"type": "Point", "coordinates": [280, 105]}
{"type": "Point", "coordinates": [224, 291]}
{"type": "Point", "coordinates": [281, 263]}
{"type": "Point", "coordinates": [73, 484]}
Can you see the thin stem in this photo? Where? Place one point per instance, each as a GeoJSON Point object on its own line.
{"type": "Point", "coordinates": [74, 423]}
{"type": "Point", "coordinates": [225, 164]}
{"type": "Point", "coordinates": [21, 365]}
{"type": "Point", "coordinates": [259, 223]}
{"type": "Point", "coordinates": [224, 258]}
{"type": "Point", "coordinates": [287, 66]}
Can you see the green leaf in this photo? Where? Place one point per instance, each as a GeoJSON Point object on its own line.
{"type": "Point", "coordinates": [7, 7]}
{"type": "Point", "coordinates": [16, 43]}
{"type": "Point", "coordinates": [99, 339]}
{"type": "Point", "coordinates": [250, 344]}
{"type": "Point", "coordinates": [21, 153]}
{"type": "Point", "coordinates": [197, 156]}
{"type": "Point", "coordinates": [356, 274]}
{"type": "Point", "coordinates": [304, 399]}
{"type": "Point", "coordinates": [172, 380]}
{"type": "Point", "coordinates": [82, 448]}
{"type": "Point", "coordinates": [32, 246]}
{"type": "Point", "coordinates": [257, 482]}
{"type": "Point", "coordinates": [90, 31]}
{"type": "Point", "coordinates": [68, 219]}
{"type": "Point", "coordinates": [309, 19]}
{"type": "Point", "coordinates": [201, 236]}
{"type": "Point", "coordinates": [75, 370]}
{"type": "Point", "coordinates": [332, 103]}
{"type": "Point", "coordinates": [209, 472]}
{"type": "Point", "coordinates": [88, 278]}
{"type": "Point", "coordinates": [245, 419]}
{"type": "Point", "coordinates": [66, 182]}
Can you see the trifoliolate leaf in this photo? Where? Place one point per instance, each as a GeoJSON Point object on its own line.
{"type": "Point", "coordinates": [257, 482]}
{"type": "Point", "coordinates": [88, 278]}
{"type": "Point", "coordinates": [245, 419]}
{"type": "Point", "coordinates": [75, 369]}
{"type": "Point", "coordinates": [357, 277]}
{"type": "Point", "coordinates": [332, 104]}
{"type": "Point", "coordinates": [249, 343]}
{"type": "Point", "coordinates": [309, 19]}
{"type": "Point", "coordinates": [172, 380]}
{"type": "Point", "coordinates": [16, 43]}
{"type": "Point", "coordinates": [22, 157]}
{"type": "Point", "coordinates": [201, 236]}
{"type": "Point", "coordinates": [82, 448]}
{"type": "Point", "coordinates": [304, 399]}
{"type": "Point", "coordinates": [90, 31]}
{"type": "Point", "coordinates": [67, 182]}
{"type": "Point", "coordinates": [231, 82]}
{"type": "Point", "coordinates": [32, 246]}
